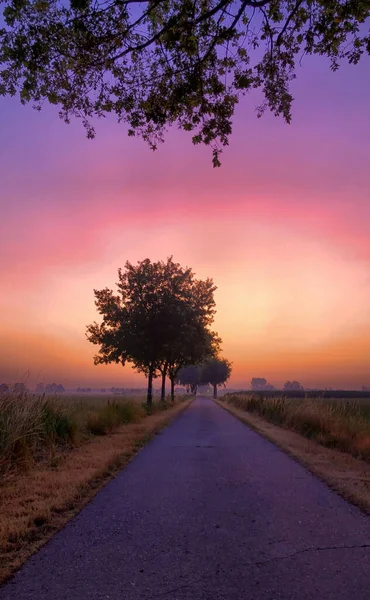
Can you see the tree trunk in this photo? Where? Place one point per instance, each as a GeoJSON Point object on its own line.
{"type": "Point", "coordinates": [172, 389]}
{"type": "Point", "coordinates": [163, 389]}
{"type": "Point", "coordinates": [149, 397]}
{"type": "Point", "coordinates": [215, 390]}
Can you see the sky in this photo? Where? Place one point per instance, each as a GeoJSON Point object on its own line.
{"type": "Point", "coordinates": [282, 228]}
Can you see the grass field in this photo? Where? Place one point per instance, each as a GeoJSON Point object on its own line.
{"type": "Point", "coordinates": [33, 428]}
{"type": "Point", "coordinates": [56, 453]}
{"type": "Point", "coordinates": [340, 423]}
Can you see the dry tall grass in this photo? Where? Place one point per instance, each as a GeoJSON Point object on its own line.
{"type": "Point", "coordinates": [33, 427]}
{"type": "Point", "coordinates": [340, 424]}
{"type": "Point", "coordinates": [29, 425]}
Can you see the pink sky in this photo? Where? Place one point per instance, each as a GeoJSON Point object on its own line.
{"type": "Point", "coordinates": [282, 227]}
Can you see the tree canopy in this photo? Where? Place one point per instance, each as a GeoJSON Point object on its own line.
{"type": "Point", "coordinates": [159, 320]}
{"type": "Point", "coordinates": [260, 384]}
{"type": "Point", "coordinates": [153, 63]}
{"type": "Point", "coordinates": [190, 377]}
{"type": "Point", "coordinates": [214, 371]}
{"type": "Point", "coordinates": [293, 385]}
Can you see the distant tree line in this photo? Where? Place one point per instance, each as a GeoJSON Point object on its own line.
{"type": "Point", "coordinates": [17, 388]}
{"type": "Point", "coordinates": [116, 390]}
{"type": "Point", "coordinates": [159, 321]}
{"type": "Point", "coordinates": [261, 384]}
{"type": "Point", "coordinates": [21, 388]}
{"type": "Point", "coordinates": [317, 393]}
{"type": "Point", "coordinates": [50, 388]}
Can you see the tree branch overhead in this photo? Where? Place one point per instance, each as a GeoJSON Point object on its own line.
{"type": "Point", "coordinates": [162, 62]}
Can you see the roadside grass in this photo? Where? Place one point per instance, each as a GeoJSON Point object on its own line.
{"type": "Point", "coordinates": [107, 418]}
{"type": "Point", "coordinates": [34, 427]}
{"type": "Point", "coordinates": [335, 423]}
{"type": "Point", "coordinates": [30, 425]}
{"type": "Point", "coordinates": [61, 452]}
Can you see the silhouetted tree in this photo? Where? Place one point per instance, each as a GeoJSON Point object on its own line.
{"type": "Point", "coordinates": [198, 345]}
{"type": "Point", "coordinates": [190, 377]}
{"type": "Point", "coordinates": [4, 388]}
{"type": "Point", "coordinates": [216, 372]}
{"type": "Point", "coordinates": [20, 388]}
{"type": "Point", "coordinates": [293, 385]}
{"type": "Point", "coordinates": [163, 368]}
{"type": "Point", "coordinates": [190, 308]}
{"type": "Point", "coordinates": [158, 321]}
{"type": "Point", "coordinates": [260, 384]}
{"type": "Point", "coordinates": [55, 388]}
{"type": "Point", "coordinates": [186, 61]}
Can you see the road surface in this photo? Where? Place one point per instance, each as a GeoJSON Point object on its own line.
{"type": "Point", "coordinates": [209, 510]}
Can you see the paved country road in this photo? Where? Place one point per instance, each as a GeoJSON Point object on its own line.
{"type": "Point", "coordinates": [208, 510]}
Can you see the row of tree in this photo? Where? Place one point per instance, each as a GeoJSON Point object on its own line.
{"type": "Point", "coordinates": [214, 372]}
{"type": "Point", "coordinates": [159, 321]}
{"type": "Point", "coordinates": [17, 388]}
{"type": "Point", "coordinates": [21, 388]}
{"type": "Point", "coordinates": [50, 388]}
{"type": "Point", "coordinates": [261, 384]}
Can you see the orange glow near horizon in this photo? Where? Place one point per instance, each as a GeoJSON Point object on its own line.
{"type": "Point", "coordinates": [288, 306]}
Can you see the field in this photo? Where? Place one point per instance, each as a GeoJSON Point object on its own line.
{"type": "Point", "coordinates": [56, 453]}
{"type": "Point", "coordinates": [340, 423]}
{"type": "Point", "coordinates": [34, 428]}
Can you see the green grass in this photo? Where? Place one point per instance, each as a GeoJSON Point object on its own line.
{"type": "Point", "coordinates": [336, 423]}
{"type": "Point", "coordinates": [108, 417]}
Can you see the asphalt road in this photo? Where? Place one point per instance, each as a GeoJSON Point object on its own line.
{"type": "Point", "coordinates": [208, 510]}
